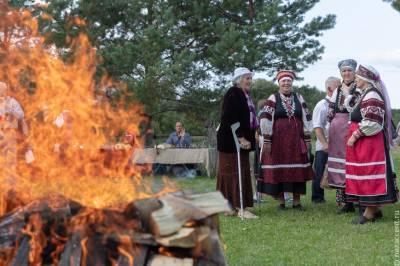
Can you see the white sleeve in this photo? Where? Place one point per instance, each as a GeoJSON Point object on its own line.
{"type": "Point", "coordinates": [373, 114]}
{"type": "Point", "coordinates": [370, 128]}
{"type": "Point", "coordinates": [267, 116]}
{"type": "Point", "coordinates": [319, 117]}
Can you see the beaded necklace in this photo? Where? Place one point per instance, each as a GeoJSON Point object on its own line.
{"type": "Point", "coordinates": [340, 101]}
{"type": "Point", "coordinates": [288, 104]}
{"type": "Point", "coordinates": [339, 104]}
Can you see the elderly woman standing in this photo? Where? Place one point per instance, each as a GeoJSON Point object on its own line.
{"type": "Point", "coordinates": [237, 106]}
{"type": "Point", "coordinates": [370, 179]}
{"type": "Point", "coordinates": [286, 126]}
{"type": "Point", "coordinates": [338, 116]}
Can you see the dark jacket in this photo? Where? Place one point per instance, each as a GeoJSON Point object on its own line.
{"type": "Point", "coordinates": [234, 109]}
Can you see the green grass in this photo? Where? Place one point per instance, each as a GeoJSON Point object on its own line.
{"type": "Point", "coordinates": [317, 236]}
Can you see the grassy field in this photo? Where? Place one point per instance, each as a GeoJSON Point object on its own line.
{"type": "Point", "coordinates": [317, 236]}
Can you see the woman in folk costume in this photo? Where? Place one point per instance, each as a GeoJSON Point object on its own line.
{"type": "Point", "coordinates": [237, 106]}
{"type": "Point", "coordinates": [370, 177]}
{"type": "Point", "coordinates": [338, 116]}
{"type": "Point", "coordinates": [286, 125]}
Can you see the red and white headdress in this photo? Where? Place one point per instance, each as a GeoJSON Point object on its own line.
{"type": "Point", "coordinates": [368, 73]}
{"type": "Point", "coordinates": [285, 74]}
{"type": "Point", "coordinates": [371, 75]}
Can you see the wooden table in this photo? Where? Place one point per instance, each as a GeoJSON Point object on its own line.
{"type": "Point", "coordinates": [205, 156]}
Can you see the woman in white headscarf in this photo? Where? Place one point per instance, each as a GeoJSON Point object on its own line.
{"type": "Point", "coordinates": [237, 106]}
{"type": "Point", "coordinates": [370, 178]}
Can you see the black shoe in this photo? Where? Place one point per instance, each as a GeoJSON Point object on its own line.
{"type": "Point", "coordinates": [362, 220]}
{"type": "Point", "coordinates": [299, 207]}
{"type": "Point", "coordinates": [348, 207]}
{"type": "Point", "coordinates": [318, 201]}
{"type": "Point", "coordinates": [281, 207]}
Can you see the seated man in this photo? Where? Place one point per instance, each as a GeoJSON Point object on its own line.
{"type": "Point", "coordinates": [179, 138]}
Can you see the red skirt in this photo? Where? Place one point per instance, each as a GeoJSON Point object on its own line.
{"type": "Point", "coordinates": [366, 165]}
{"type": "Point", "coordinates": [288, 160]}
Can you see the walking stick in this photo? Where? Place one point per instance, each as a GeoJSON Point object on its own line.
{"type": "Point", "coordinates": [234, 127]}
{"type": "Point", "coordinates": [258, 160]}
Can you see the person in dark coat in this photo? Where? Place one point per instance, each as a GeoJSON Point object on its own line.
{"type": "Point", "coordinates": [237, 106]}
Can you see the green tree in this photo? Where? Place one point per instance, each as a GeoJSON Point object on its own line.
{"type": "Point", "coordinates": [396, 116]}
{"type": "Point", "coordinates": [261, 90]}
{"type": "Point", "coordinates": [395, 4]}
{"type": "Point", "coordinates": [166, 50]}
{"type": "Point", "coordinates": [311, 95]}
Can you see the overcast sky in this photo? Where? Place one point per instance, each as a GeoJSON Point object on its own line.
{"type": "Point", "coordinates": [366, 30]}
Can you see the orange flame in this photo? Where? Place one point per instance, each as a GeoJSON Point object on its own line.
{"type": "Point", "coordinates": [69, 120]}
{"type": "Point", "coordinates": [81, 140]}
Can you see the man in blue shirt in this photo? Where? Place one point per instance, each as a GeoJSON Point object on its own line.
{"type": "Point", "coordinates": [179, 138]}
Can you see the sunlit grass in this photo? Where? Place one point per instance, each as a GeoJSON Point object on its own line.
{"type": "Point", "coordinates": [317, 236]}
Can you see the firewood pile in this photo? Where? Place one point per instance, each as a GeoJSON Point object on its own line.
{"type": "Point", "coordinates": [173, 229]}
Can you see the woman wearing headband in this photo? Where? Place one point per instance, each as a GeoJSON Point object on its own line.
{"type": "Point", "coordinates": [286, 125]}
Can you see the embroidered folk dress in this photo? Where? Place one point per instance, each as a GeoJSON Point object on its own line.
{"type": "Point", "coordinates": [286, 122]}
{"type": "Point", "coordinates": [370, 179]}
{"type": "Point", "coordinates": [338, 116]}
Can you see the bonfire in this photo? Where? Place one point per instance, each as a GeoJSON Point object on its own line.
{"type": "Point", "coordinates": [81, 201]}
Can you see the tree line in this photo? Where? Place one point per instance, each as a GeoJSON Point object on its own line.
{"type": "Point", "coordinates": [176, 56]}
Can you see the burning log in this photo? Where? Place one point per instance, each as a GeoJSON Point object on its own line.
{"type": "Point", "coordinates": [174, 229]}
{"type": "Point", "coordinates": [72, 252]}
{"type": "Point", "coordinates": [70, 116]}
{"type": "Point", "coordinates": [22, 257]}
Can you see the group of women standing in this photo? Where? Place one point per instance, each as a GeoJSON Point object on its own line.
{"type": "Point", "coordinates": [359, 162]}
